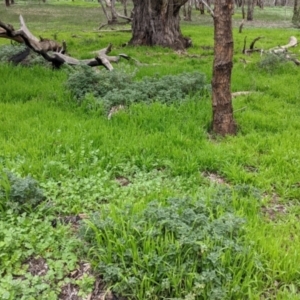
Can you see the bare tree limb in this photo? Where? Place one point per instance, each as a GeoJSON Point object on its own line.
{"type": "Point", "coordinates": [280, 49]}
{"type": "Point", "coordinates": [104, 9]}
{"type": "Point", "coordinates": [251, 49]}
{"type": "Point", "coordinates": [124, 17]}
{"type": "Point", "coordinates": [254, 41]}
{"type": "Point", "coordinates": [3, 34]}
{"type": "Point", "coordinates": [208, 8]}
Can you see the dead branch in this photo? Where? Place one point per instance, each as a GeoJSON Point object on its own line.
{"type": "Point", "coordinates": [243, 93]}
{"type": "Point", "coordinates": [23, 35]}
{"type": "Point", "coordinates": [240, 109]}
{"type": "Point", "coordinates": [113, 20]}
{"type": "Point", "coordinates": [293, 42]}
{"type": "Point", "coordinates": [293, 59]}
{"type": "Point", "coordinates": [208, 8]}
{"type": "Point", "coordinates": [3, 34]}
{"type": "Point", "coordinates": [253, 43]}
{"type": "Point", "coordinates": [55, 53]}
{"type": "Point", "coordinates": [124, 17]}
{"type": "Point", "coordinates": [244, 47]}
{"type": "Point", "coordinates": [26, 30]}
{"type": "Point", "coordinates": [251, 49]}
{"type": "Point", "coordinates": [114, 30]}
{"type": "Point", "coordinates": [281, 49]}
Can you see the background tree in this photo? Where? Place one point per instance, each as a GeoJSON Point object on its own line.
{"type": "Point", "coordinates": [200, 6]}
{"type": "Point", "coordinates": [250, 10]}
{"type": "Point", "coordinates": [156, 22]}
{"type": "Point", "coordinates": [124, 3]}
{"type": "Point", "coordinates": [187, 10]}
{"type": "Point", "coordinates": [9, 2]}
{"type": "Point", "coordinates": [296, 13]}
{"type": "Point", "coordinates": [223, 122]}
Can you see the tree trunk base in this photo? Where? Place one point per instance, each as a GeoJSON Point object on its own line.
{"type": "Point", "coordinates": [156, 23]}
{"type": "Point", "coordinates": [223, 123]}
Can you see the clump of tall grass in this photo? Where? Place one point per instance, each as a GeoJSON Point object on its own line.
{"type": "Point", "coordinates": [177, 249]}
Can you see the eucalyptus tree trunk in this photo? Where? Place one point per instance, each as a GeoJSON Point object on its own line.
{"type": "Point", "coordinates": [156, 22]}
{"type": "Point", "coordinates": [223, 122]}
{"type": "Point", "coordinates": [250, 9]}
{"type": "Point", "coordinates": [296, 13]}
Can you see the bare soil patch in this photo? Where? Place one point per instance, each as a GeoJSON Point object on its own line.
{"type": "Point", "coordinates": [274, 209]}
{"type": "Point", "coordinates": [214, 178]}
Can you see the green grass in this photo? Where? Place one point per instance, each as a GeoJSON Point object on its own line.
{"type": "Point", "coordinates": [79, 157]}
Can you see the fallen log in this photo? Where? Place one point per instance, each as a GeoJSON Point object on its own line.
{"type": "Point", "coordinates": [53, 52]}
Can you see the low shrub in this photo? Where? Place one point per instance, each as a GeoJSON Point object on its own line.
{"type": "Point", "coordinates": [119, 88]}
{"type": "Point", "coordinates": [7, 51]}
{"type": "Point", "coordinates": [271, 62]}
{"type": "Point", "coordinates": [167, 89]}
{"type": "Point", "coordinates": [19, 194]}
{"type": "Point", "coordinates": [21, 54]}
{"type": "Point", "coordinates": [84, 80]}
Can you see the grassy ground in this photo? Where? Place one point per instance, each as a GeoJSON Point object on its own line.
{"type": "Point", "coordinates": [87, 164]}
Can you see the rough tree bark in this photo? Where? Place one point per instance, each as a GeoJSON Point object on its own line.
{"type": "Point", "coordinates": [156, 22]}
{"type": "Point", "coordinates": [223, 122]}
